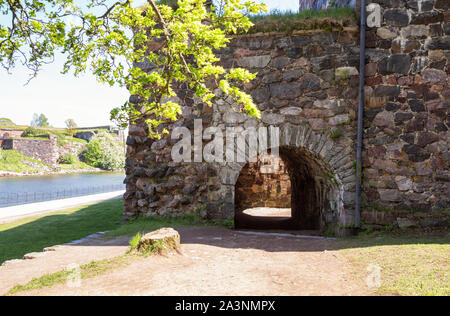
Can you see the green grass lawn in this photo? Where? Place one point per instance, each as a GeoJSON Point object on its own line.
{"type": "Point", "coordinates": [409, 265]}
{"type": "Point", "coordinates": [34, 234]}
{"type": "Point", "coordinates": [13, 161]}
{"type": "Point", "coordinates": [75, 140]}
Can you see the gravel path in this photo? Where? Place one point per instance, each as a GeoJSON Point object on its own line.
{"type": "Point", "coordinates": [213, 261]}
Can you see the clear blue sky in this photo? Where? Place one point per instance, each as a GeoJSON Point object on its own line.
{"type": "Point", "coordinates": [61, 97]}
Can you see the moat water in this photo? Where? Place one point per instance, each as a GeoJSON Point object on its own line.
{"type": "Point", "coordinates": [23, 190]}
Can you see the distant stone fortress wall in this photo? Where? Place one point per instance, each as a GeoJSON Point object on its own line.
{"type": "Point", "coordinates": [109, 128]}
{"type": "Point", "coordinates": [45, 150]}
{"type": "Point", "coordinates": [10, 132]}
{"type": "Point", "coordinates": [87, 133]}
{"type": "Point", "coordinates": [11, 138]}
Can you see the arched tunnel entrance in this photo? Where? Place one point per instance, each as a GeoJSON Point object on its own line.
{"type": "Point", "coordinates": [287, 191]}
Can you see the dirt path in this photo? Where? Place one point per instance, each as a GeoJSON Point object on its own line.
{"type": "Point", "coordinates": [214, 261]}
{"type": "Point", "coordinates": [61, 257]}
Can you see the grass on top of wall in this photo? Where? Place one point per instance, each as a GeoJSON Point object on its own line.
{"type": "Point", "coordinates": [14, 127]}
{"type": "Point", "coordinates": [72, 139]}
{"type": "Point", "coordinates": [289, 22]}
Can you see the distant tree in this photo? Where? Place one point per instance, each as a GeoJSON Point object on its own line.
{"type": "Point", "coordinates": [43, 121]}
{"type": "Point", "coordinates": [71, 126]}
{"type": "Point", "coordinates": [39, 120]}
{"type": "Point", "coordinates": [31, 132]}
{"type": "Point", "coordinates": [35, 120]}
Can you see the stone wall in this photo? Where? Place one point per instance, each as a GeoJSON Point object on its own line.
{"type": "Point", "coordinates": [73, 148]}
{"type": "Point", "coordinates": [45, 150]}
{"type": "Point", "coordinates": [307, 86]}
{"type": "Point", "coordinates": [87, 136]}
{"type": "Point", "coordinates": [406, 158]}
{"type": "Point", "coordinates": [7, 132]}
{"type": "Point", "coordinates": [117, 135]}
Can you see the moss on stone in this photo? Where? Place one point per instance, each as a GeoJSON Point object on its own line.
{"type": "Point", "coordinates": [336, 134]}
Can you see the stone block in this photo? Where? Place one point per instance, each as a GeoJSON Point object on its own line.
{"type": "Point", "coordinates": [309, 82]}
{"type": "Point", "coordinates": [397, 63]}
{"type": "Point", "coordinates": [384, 119]}
{"type": "Point", "coordinates": [234, 118]}
{"type": "Point", "coordinates": [254, 61]}
{"type": "Point", "coordinates": [272, 118]}
{"type": "Point", "coordinates": [438, 43]}
{"type": "Point", "coordinates": [396, 17]}
{"type": "Point", "coordinates": [427, 18]}
{"type": "Point", "coordinates": [285, 91]}
{"type": "Point", "coordinates": [433, 76]}
{"type": "Point", "coordinates": [386, 33]}
{"type": "Point", "coordinates": [339, 119]}
{"type": "Point", "coordinates": [403, 183]}
{"type": "Point", "coordinates": [404, 223]}
{"type": "Point", "coordinates": [415, 31]}
{"type": "Point", "coordinates": [390, 195]}
{"type": "Point", "coordinates": [291, 111]}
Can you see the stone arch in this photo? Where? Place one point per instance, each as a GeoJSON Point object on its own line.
{"type": "Point", "coordinates": [296, 90]}
{"type": "Point", "coordinates": [319, 166]}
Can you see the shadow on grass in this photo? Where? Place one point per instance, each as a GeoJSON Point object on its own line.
{"type": "Point", "coordinates": [34, 234]}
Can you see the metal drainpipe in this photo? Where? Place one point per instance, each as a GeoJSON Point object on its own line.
{"type": "Point", "coordinates": [359, 145]}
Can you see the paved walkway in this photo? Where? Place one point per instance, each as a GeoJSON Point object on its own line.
{"type": "Point", "coordinates": [11, 213]}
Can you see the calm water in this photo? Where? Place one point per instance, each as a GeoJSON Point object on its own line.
{"type": "Point", "coordinates": [22, 190]}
